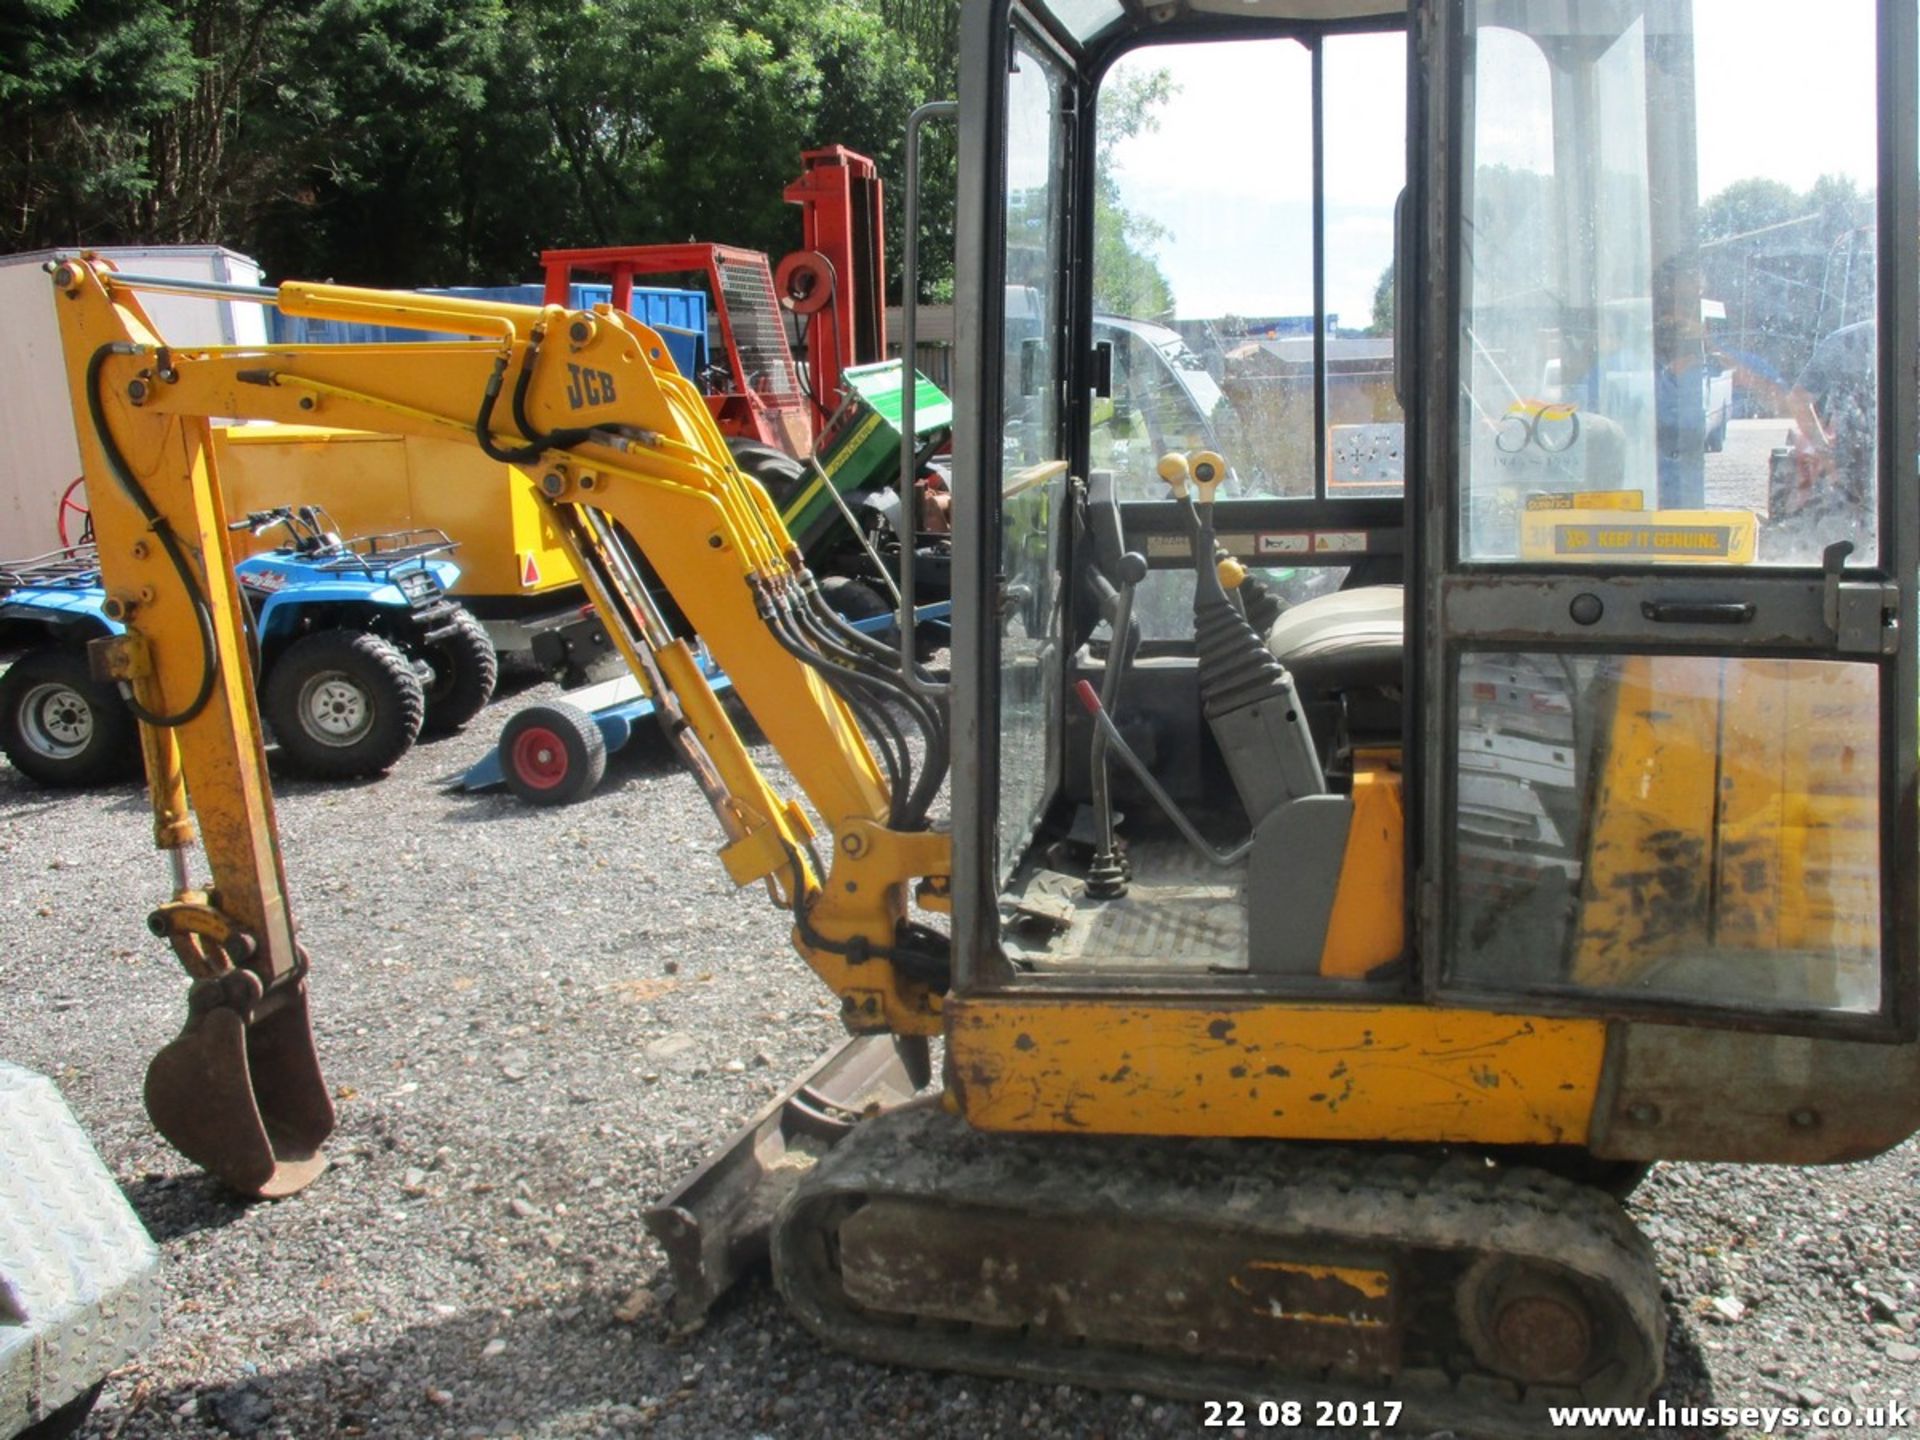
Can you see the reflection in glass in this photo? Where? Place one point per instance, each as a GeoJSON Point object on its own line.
{"type": "Point", "coordinates": [1693, 828]}
{"type": "Point", "coordinates": [1670, 225]}
{"type": "Point", "coordinates": [1030, 496]}
{"type": "Point", "coordinates": [1205, 265]}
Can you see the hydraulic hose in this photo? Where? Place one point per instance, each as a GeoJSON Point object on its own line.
{"type": "Point", "coordinates": [538, 442]}
{"type": "Point", "coordinates": [860, 650]}
{"type": "Point", "coordinates": [895, 756]}
{"type": "Point", "coordinates": [546, 440]}
{"type": "Point", "coordinates": [163, 531]}
{"type": "Point", "coordinates": [885, 655]}
{"type": "Point", "coordinates": [483, 423]}
{"type": "Point", "coordinates": [926, 716]}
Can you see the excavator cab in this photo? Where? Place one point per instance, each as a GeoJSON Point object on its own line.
{"type": "Point", "coordinates": [1473, 681]}
{"type": "Point", "coordinates": [1466, 763]}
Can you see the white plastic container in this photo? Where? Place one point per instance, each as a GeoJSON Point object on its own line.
{"type": "Point", "coordinates": [39, 454]}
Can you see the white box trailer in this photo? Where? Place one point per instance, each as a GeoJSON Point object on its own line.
{"type": "Point", "coordinates": [39, 455]}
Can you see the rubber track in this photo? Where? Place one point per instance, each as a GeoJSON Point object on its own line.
{"type": "Point", "coordinates": [1404, 1202]}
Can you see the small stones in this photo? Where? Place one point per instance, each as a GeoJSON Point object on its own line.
{"type": "Point", "coordinates": [243, 1410]}
{"type": "Point", "coordinates": [637, 1306]}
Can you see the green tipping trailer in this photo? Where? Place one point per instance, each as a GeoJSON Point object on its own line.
{"type": "Point", "coordinates": [860, 447]}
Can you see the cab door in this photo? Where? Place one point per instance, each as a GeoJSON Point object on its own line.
{"type": "Point", "coordinates": [1668, 691]}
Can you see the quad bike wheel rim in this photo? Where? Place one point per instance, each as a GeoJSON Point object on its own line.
{"type": "Point", "coordinates": [334, 709]}
{"type": "Point", "coordinates": [539, 757]}
{"type": "Point", "coordinates": [56, 721]}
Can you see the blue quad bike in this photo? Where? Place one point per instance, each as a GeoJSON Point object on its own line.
{"type": "Point", "coordinates": [358, 650]}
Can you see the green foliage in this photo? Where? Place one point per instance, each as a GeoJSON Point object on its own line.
{"type": "Point", "coordinates": [418, 142]}
{"type": "Point", "coordinates": [1383, 303]}
{"type": "Point", "coordinates": [80, 86]}
{"type": "Point", "coordinates": [679, 119]}
{"type": "Point", "coordinates": [1746, 206]}
{"type": "Point", "coordinates": [1127, 280]}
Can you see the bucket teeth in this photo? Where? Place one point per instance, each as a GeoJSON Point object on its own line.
{"type": "Point", "coordinates": [239, 1091]}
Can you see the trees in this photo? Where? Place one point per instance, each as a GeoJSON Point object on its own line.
{"type": "Point", "coordinates": [80, 85]}
{"type": "Point", "coordinates": [1127, 280]}
{"type": "Point", "coordinates": [1383, 300]}
{"type": "Point", "coordinates": [674, 119]}
{"type": "Point", "coordinates": [418, 142]}
{"type": "Point", "coordinates": [1790, 268]}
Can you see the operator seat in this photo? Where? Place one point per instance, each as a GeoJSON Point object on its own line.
{"type": "Point", "coordinates": [1345, 652]}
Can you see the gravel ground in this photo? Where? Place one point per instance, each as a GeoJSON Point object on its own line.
{"type": "Point", "coordinates": [535, 1022]}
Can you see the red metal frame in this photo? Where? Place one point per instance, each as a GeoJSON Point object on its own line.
{"type": "Point", "coordinates": [763, 400]}
{"type": "Point", "coordinates": [839, 195]}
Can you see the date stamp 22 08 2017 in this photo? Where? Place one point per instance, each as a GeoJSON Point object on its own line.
{"type": "Point", "coordinates": [1348, 1415]}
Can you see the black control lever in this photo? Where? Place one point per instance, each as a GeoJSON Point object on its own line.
{"type": "Point", "coordinates": [1107, 878]}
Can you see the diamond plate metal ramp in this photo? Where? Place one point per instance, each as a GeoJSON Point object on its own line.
{"type": "Point", "coordinates": [79, 1286]}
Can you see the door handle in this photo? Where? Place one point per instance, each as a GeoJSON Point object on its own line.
{"type": "Point", "coordinates": [1697, 612]}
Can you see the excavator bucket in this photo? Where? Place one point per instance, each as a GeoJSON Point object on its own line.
{"type": "Point", "coordinates": [717, 1223]}
{"type": "Point", "coordinates": [239, 1090]}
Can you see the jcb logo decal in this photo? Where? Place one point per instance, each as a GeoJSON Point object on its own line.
{"type": "Point", "coordinates": [588, 387]}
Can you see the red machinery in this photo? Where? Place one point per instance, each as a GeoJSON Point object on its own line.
{"type": "Point", "coordinates": [757, 396]}
{"type": "Point", "coordinates": [839, 276]}
{"type": "Point", "coordinates": [840, 273]}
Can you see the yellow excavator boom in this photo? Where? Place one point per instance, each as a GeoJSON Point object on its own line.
{"type": "Point", "coordinates": [641, 488]}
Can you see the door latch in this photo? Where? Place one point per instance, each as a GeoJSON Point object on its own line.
{"type": "Point", "coordinates": [1864, 615]}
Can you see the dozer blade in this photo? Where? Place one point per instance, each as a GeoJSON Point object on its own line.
{"type": "Point", "coordinates": [239, 1090]}
{"type": "Point", "coordinates": [1404, 1289]}
{"type": "Point", "coordinates": [715, 1224]}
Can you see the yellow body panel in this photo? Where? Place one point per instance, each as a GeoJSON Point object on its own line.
{"type": "Point", "coordinates": [371, 483]}
{"type": "Point", "coordinates": [1737, 810]}
{"type": "Point", "coordinates": [1648, 877]}
{"type": "Point", "coordinates": [1370, 1284]}
{"type": "Point", "coordinates": [1093, 1065]}
{"type": "Point", "coordinates": [1368, 927]}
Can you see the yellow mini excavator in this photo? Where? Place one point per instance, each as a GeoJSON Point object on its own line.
{"type": "Point", "coordinates": [1365, 849]}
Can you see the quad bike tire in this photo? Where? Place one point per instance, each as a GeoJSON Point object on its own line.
{"type": "Point", "coordinates": [343, 704]}
{"type": "Point", "coordinates": [60, 726]}
{"type": "Point", "coordinates": [552, 754]}
{"type": "Point", "coordinates": [465, 670]}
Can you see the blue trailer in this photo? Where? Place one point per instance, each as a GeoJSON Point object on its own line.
{"type": "Point", "coordinates": [555, 752]}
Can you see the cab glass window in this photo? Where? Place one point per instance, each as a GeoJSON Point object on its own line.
{"type": "Point", "coordinates": [1667, 346]}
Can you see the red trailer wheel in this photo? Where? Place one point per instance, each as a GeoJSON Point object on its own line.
{"type": "Point", "coordinates": [552, 754]}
